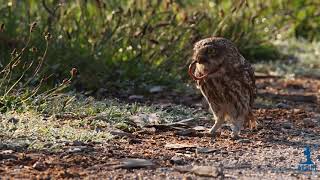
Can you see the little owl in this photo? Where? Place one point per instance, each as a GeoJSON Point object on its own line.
{"type": "Point", "coordinates": [227, 82]}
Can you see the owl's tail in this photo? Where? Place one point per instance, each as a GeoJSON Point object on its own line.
{"type": "Point", "coordinates": [250, 121]}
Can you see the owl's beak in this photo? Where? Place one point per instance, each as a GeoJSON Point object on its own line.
{"type": "Point", "coordinates": [191, 69]}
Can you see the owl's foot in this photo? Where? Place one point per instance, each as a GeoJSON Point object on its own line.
{"type": "Point", "coordinates": [215, 127]}
{"type": "Point", "coordinates": [235, 136]}
{"type": "Point", "coordinates": [214, 135]}
{"type": "Point", "coordinates": [236, 128]}
{"type": "Point", "coordinates": [212, 131]}
{"type": "Point", "coordinates": [213, 138]}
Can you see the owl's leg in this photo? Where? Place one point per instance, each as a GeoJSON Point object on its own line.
{"type": "Point", "coordinates": [218, 122]}
{"type": "Point", "coordinates": [235, 132]}
{"type": "Point", "coordinates": [237, 127]}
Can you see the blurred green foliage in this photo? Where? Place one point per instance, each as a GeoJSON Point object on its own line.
{"type": "Point", "coordinates": [132, 44]}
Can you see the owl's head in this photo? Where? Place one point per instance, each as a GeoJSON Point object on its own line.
{"type": "Point", "coordinates": [212, 52]}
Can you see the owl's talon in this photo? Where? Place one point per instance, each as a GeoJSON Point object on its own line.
{"type": "Point", "coordinates": [214, 134]}
{"type": "Point", "coordinates": [235, 137]}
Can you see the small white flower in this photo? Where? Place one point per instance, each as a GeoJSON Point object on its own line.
{"type": "Point", "coordinates": [129, 48]}
{"type": "Point", "coordinates": [263, 20]}
{"type": "Point", "coordinates": [120, 50]}
{"type": "Point", "coordinates": [211, 4]}
{"type": "Point", "coordinates": [10, 3]}
{"type": "Point", "coordinates": [266, 29]}
{"type": "Point", "coordinates": [60, 37]}
{"type": "Point", "coordinates": [109, 17]}
{"type": "Point", "coordinates": [279, 36]}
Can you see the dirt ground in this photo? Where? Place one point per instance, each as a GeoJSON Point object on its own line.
{"type": "Point", "coordinates": [289, 121]}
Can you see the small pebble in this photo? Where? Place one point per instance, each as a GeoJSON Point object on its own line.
{"type": "Point", "coordinates": [135, 97]}
{"type": "Point", "coordinates": [243, 141]}
{"type": "Point", "coordinates": [39, 165]}
{"type": "Point", "coordinates": [309, 123]}
{"type": "Point", "coordinates": [287, 125]}
{"type": "Point", "coordinates": [177, 160]}
{"type": "Point", "coordinates": [281, 158]}
{"type": "Point", "coordinates": [13, 120]}
{"type": "Point", "coordinates": [282, 106]}
{"type": "Point", "coordinates": [296, 111]}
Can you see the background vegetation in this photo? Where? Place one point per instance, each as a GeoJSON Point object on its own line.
{"type": "Point", "coordinates": [131, 45]}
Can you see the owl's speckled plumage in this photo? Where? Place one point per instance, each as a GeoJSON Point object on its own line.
{"type": "Point", "coordinates": [228, 82]}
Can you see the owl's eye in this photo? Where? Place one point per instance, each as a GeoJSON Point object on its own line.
{"type": "Point", "coordinates": [211, 51]}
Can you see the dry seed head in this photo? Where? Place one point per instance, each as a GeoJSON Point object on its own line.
{"type": "Point", "coordinates": [2, 27]}
{"type": "Point", "coordinates": [47, 36]}
{"type": "Point", "coordinates": [184, 16]}
{"type": "Point", "coordinates": [33, 49]}
{"type": "Point", "coordinates": [66, 81]}
{"type": "Point", "coordinates": [167, 4]}
{"type": "Point", "coordinates": [13, 52]}
{"type": "Point", "coordinates": [33, 26]}
{"type": "Point", "coordinates": [73, 72]}
{"type": "Point", "coordinates": [221, 13]}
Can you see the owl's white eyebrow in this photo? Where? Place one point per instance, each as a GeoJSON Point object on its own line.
{"type": "Point", "coordinates": [207, 44]}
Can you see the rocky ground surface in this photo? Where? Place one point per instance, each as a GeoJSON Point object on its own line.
{"type": "Point", "coordinates": [289, 121]}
